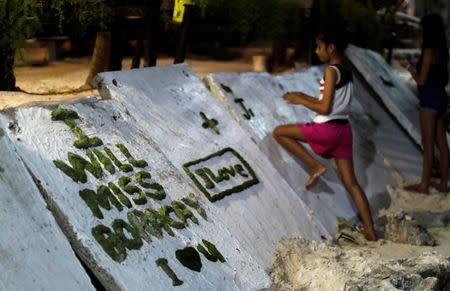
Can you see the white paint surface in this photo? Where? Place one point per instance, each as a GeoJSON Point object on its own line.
{"type": "Point", "coordinates": [166, 103]}
{"type": "Point", "coordinates": [393, 91]}
{"type": "Point", "coordinates": [34, 253]}
{"type": "Point", "coordinates": [263, 92]}
{"type": "Point", "coordinates": [398, 150]}
{"type": "Point", "coordinates": [382, 151]}
{"type": "Point", "coordinates": [43, 140]}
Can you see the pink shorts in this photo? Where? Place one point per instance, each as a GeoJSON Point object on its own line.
{"type": "Point", "coordinates": [329, 140]}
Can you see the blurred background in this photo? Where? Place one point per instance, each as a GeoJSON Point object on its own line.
{"type": "Point", "coordinates": [270, 35]}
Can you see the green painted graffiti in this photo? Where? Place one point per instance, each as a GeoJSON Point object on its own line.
{"type": "Point", "coordinates": [102, 198]}
{"type": "Point", "coordinates": [192, 202]}
{"type": "Point", "coordinates": [183, 213]}
{"type": "Point", "coordinates": [131, 159]}
{"type": "Point", "coordinates": [210, 252]}
{"type": "Point", "coordinates": [124, 182]}
{"type": "Point", "coordinates": [79, 165]}
{"type": "Point", "coordinates": [210, 179]}
{"type": "Point", "coordinates": [209, 123]}
{"type": "Point", "coordinates": [123, 167]}
{"type": "Point", "coordinates": [190, 258]}
{"type": "Point", "coordinates": [141, 225]}
{"type": "Point", "coordinates": [107, 164]}
{"type": "Point", "coordinates": [159, 193]}
{"type": "Point", "coordinates": [69, 117]}
{"type": "Point", "coordinates": [114, 241]}
{"type": "Point", "coordinates": [60, 114]}
{"type": "Point", "coordinates": [248, 112]}
{"type": "Point", "coordinates": [122, 197]}
{"type": "Point", "coordinates": [164, 264]}
{"type": "Point", "coordinates": [226, 88]}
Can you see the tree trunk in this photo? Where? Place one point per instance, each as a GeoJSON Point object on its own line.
{"type": "Point", "coordinates": [136, 62]}
{"type": "Point", "coordinates": [180, 53]}
{"type": "Point", "coordinates": [151, 32]}
{"type": "Point", "coordinates": [314, 22]}
{"type": "Point", "coordinates": [118, 40]}
{"type": "Point", "coordinates": [278, 56]}
{"type": "Point", "coordinates": [101, 56]}
{"type": "Point", "coordinates": [7, 79]}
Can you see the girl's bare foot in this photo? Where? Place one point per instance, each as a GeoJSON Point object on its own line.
{"type": "Point", "coordinates": [314, 176]}
{"type": "Point", "coordinates": [439, 187]}
{"type": "Point", "coordinates": [418, 188]}
{"type": "Point", "coordinates": [369, 235]}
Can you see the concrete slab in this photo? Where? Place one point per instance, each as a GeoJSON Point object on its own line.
{"type": "Point", "coordinates": [34, 253]}
{"type": "Point", "coordinates": [401, 155]}
{"type": "Point", "coordinates": [171, 105]}
{"type": "Point", "coordinates": [394, 92]}
{"type": "Point", "coordinates": [262, 93]}
{"type": "Point", "coordinates": [121, 236]}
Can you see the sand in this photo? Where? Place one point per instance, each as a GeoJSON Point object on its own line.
{"type": "Point", "coordinates": [60, 81]}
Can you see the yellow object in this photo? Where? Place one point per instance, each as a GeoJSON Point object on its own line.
{"type": "Point", "coordinates": [178, 11]}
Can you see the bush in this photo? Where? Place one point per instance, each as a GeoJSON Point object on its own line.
{"type": "Point", "coordinates": [364, 25]}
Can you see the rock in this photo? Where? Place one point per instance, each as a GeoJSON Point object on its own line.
{"type": "Point", "coordinates": [405, 281]}
{"type": "Point", "coordinates": [402, 228]}
{"type": "Point", "coordinates": [428, 284]}
{"type": "Point", "coordinates": [427, 272]}
{"type": "Point", "coordinates": [300, 264]}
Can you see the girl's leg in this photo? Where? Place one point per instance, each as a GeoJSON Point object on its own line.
{"type": "Point", "coordinates": [441, 141]}
{"type": "Point", "coordinates": [347, 175]}
{"type": "Point", "coordinates": [428, 132]}
{"type": "Point", "coordinates": [288, 136]}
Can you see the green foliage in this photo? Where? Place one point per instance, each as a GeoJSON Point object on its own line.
{"type": "Point", "coordinates": [87, 14]}
{"type": "Point", "coordinates": [281, 19]}
{"type": "Point", "coordinates": [365, 26]}
{"type": "Point", "coordinates": [268, 19]}
{"type": "Point", "coordinates": [208, 4]}
{"type": "Point", "coordinates": [343, 223]}
{"type": "Point", "coordinates": [18, 21]}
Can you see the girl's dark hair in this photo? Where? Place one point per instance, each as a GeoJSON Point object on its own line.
{"type": "Point", "coordinates": [434, 37]}
{"type": "Point", "coordinates": [334, 32]}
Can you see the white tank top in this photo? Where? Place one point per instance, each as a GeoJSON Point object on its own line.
{"type": "Point", "coordinates": [342, 96]}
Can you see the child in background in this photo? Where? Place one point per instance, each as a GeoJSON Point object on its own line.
{"type": "Point", "coordinates": [330, 133]}
{"type": "Point", "coordinates": [431, 77]}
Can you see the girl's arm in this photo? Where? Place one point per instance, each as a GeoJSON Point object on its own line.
{"type": "Point", "coordinates": [421, 76]}
{"type": "Point", "coordinates": [295, 97]}
{"type": "Point", "coordinates": [322, 106]}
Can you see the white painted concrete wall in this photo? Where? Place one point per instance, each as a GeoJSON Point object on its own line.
{"type": "Point", "coordinates": [400, 153]}
{"type": "Point", "coordinates": [263, 92]}
{"type": "Point", "coordinates": [383, 153]}
{"type": "Point", "coordinates": [43, 140]}
{"type": "Point", "coordinates": [394, 93]}
{"type": "Point", "coordinates": [165, 103]}
{"type": "Point", "coordinates": [34, 253]}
